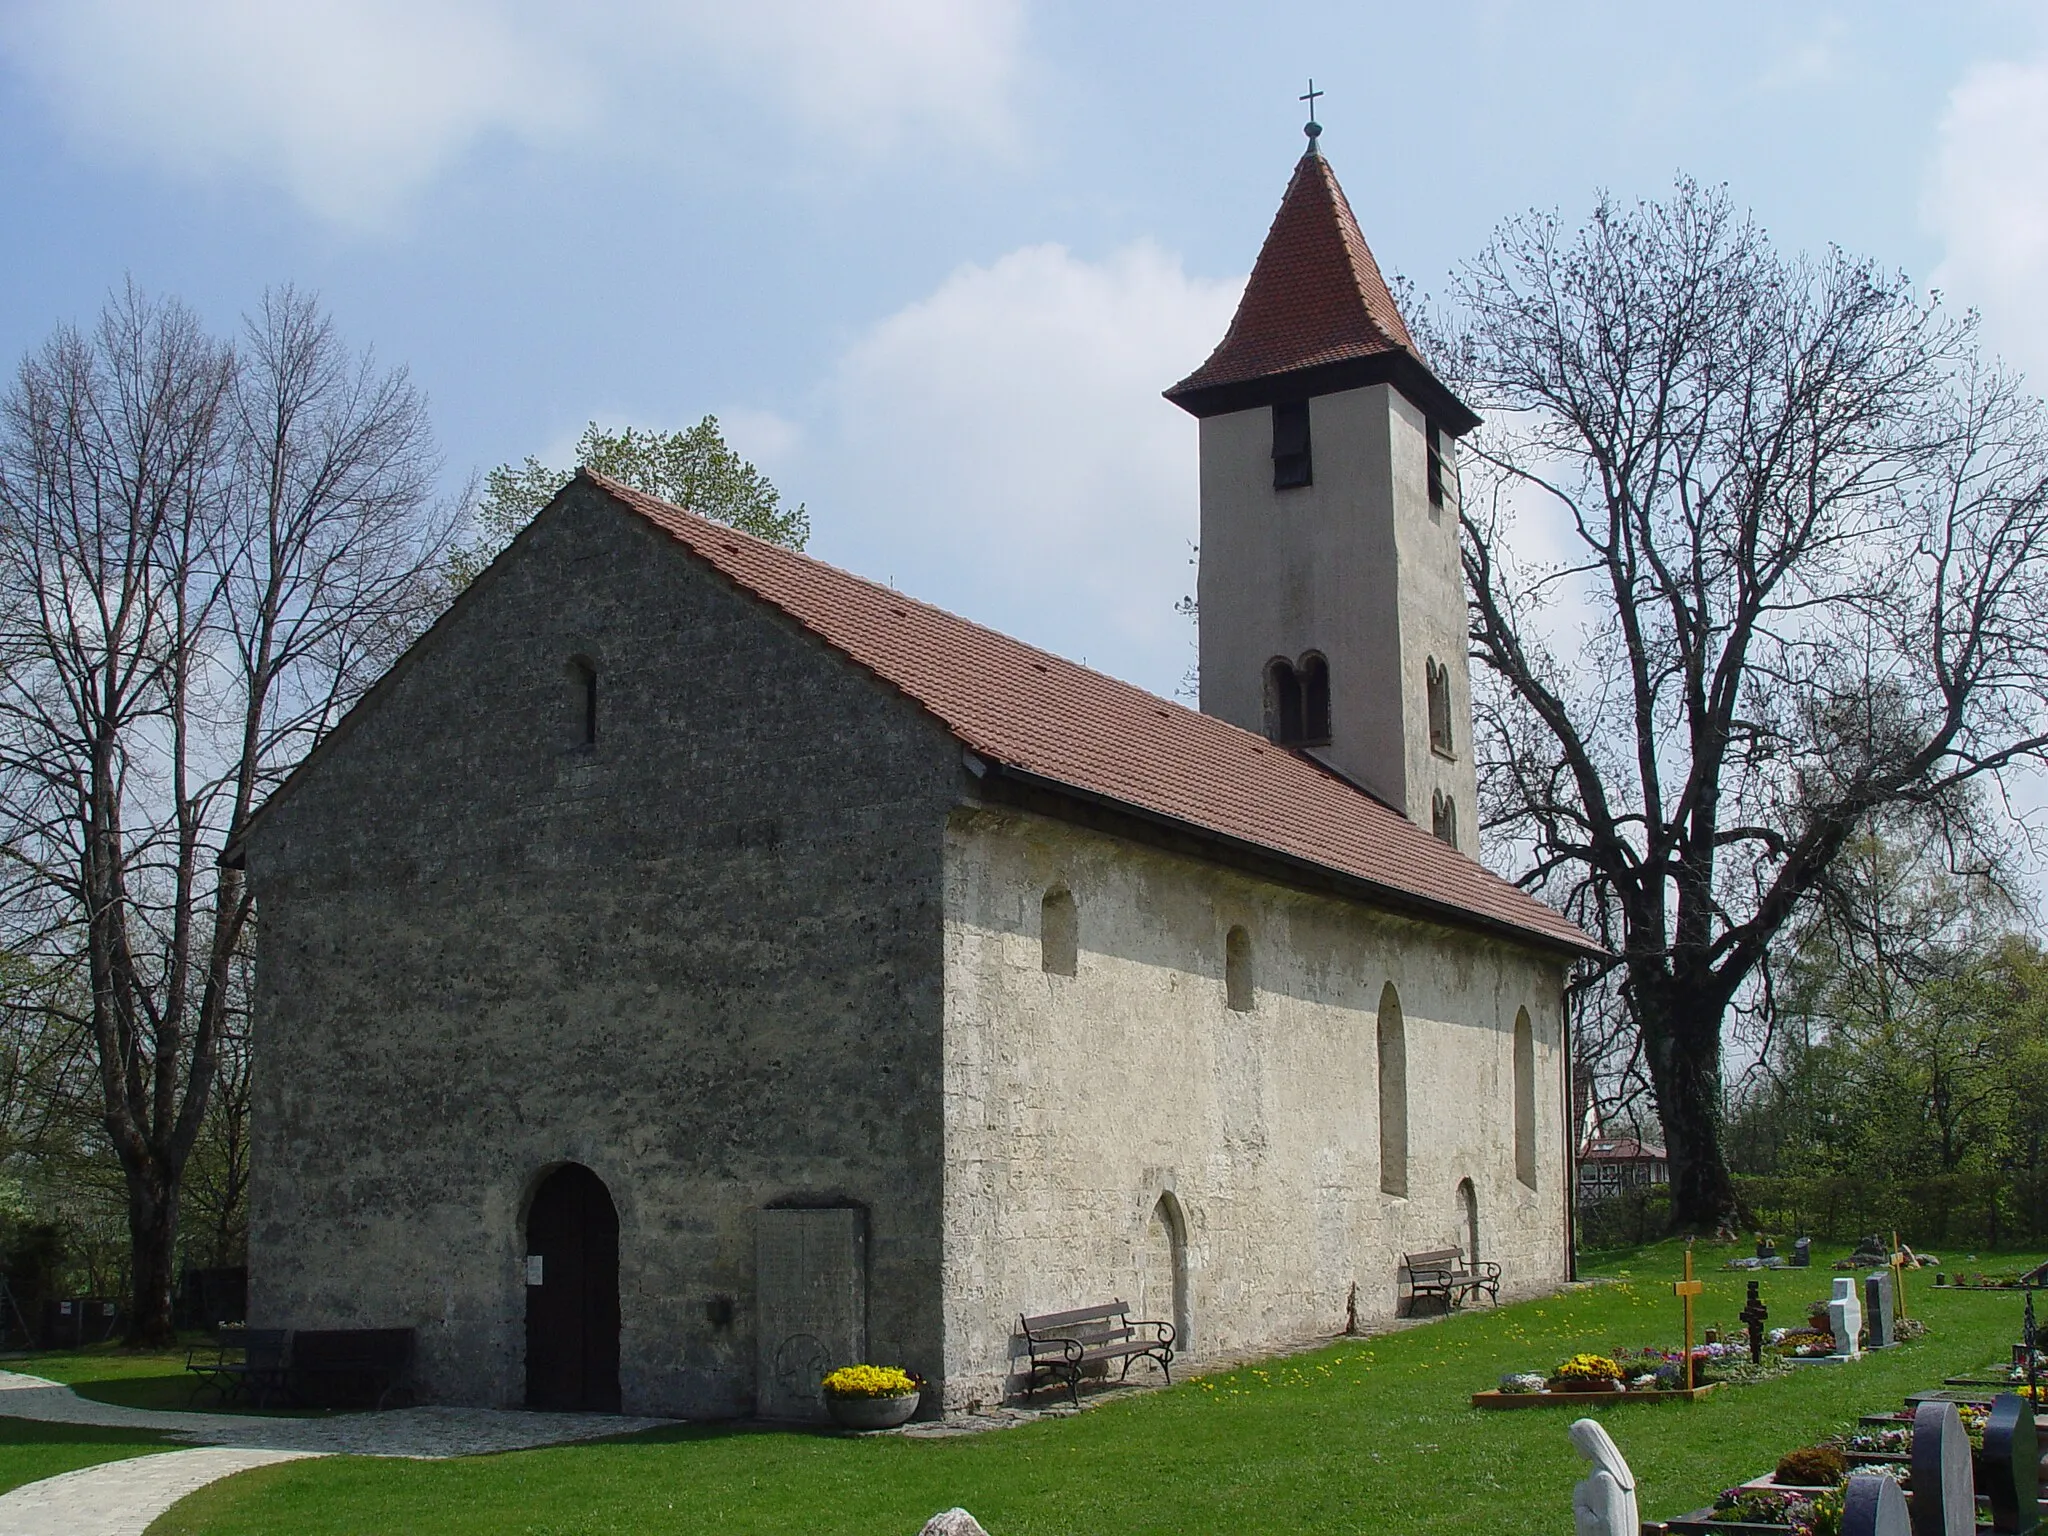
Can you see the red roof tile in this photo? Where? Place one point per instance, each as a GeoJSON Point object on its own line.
{"type": "Point", "coordinates": [1315, 295]}
{"type": "Point", "coordinates": [1028, 710]}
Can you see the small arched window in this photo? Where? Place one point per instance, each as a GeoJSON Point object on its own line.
{"type": "Point", "coordinates": [1525, 1099]}
{"type": "Point", "coordinates": [1315, 701]}
{"type": "Point", "coordinates": [1238, 989]}
{"type": "Point", "coordinates": [582, 701]}
{"type": "Point", "coordinates": [1059, 933]}
{"type": "Point", "coordinates": [1443, 816]}
{"type": "Point", "coordinates": [1283, 702]}
{"type": "Point", "coordinates": [1393, 1076]}
{"type": "Point", "coordinates": [1468, 1211]}
{"type": "Point", "coordinates": [1437, 685]}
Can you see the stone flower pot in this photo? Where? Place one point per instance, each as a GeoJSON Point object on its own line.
{"type": "Point", "coordinates": [872, 1412]}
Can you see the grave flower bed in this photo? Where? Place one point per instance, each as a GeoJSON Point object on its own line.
{"type": "Point", "coordinates": [1587, 1373]}
{"type": "Point", "coordinates": [1802, 1343]}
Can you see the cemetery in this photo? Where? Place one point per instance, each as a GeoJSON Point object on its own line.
{"type": "Point", "coordinates": [1337, 1438]}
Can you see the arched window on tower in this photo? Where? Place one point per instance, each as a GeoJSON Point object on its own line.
{"type": "Point", "coordinates": [1443, 816]}
{"type": "Point", "coordinates": [1393, 1077]}
{"type": "Point", "coordinates": [582, 701]}
{"type": "Point", "coordinates": [1283, 702]}
{"type": "Point", "coordinates": [1238, 988]}
{"type": "Point", "coordinates": [1298, 701]}
{"type": "Point", "coordinates": [1059, 933]}
{"type": "Point", "coordinates": [1315, 701]}
{"type": "Point", "coordinates": [1525, 1099]}
{"type": "Point", "coordinates": [1437, 687]}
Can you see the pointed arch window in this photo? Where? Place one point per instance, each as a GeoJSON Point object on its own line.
{"type": "Point", "coordinates": [1298, 701]}
{"type": "Point", "coordinates": [1436, 679]}
{"type": "Point", "coordinates": [1443, 817]}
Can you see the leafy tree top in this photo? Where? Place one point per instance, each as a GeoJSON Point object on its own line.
{"type": "Point", "coordinates": [693, 468]}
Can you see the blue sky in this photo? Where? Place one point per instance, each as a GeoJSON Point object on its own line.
{"type": "Point", "coordinates": [932, 260]}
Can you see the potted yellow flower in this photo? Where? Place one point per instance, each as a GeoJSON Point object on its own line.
{"type": "Point", "coordinates": [871, 1396]}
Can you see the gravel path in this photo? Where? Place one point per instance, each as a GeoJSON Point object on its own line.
{"type": "Point", "coordinates": [120, 1498]}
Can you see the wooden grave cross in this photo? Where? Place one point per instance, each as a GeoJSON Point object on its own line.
{"type": "Point", "coordinates": [1685, 1290]}
{"type": "Point", "coordinates": [1754, 1313]}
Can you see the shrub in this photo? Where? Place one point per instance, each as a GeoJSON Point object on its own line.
{"type": "Point", "coordinates": [1812, 1466]}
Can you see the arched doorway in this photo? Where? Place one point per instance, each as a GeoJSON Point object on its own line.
{"type": "Point", "coordinates": [1163, 1271]}
{"type": "Point", "coordinates": [572, 1294]}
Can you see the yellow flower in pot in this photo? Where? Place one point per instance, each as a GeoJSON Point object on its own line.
{"type": "Point", "coordinates": [871, 1396]}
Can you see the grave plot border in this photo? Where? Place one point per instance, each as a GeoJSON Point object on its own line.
{"type": "Point", "coordinates": [1588, 1399]}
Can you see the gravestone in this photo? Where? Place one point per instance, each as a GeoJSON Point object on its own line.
{"type": "Point", "coordinates": [952, 1522]}
{"type": "Point", "coordinates": [1874, 1506]}
{"type": "Point", "coordinates": [2012, 1466]}
{"type": "Point", "coordinates": [1877, 1309]}
{"type": "Point", "coordinates": [1754, 1314]}
{"type": "Point", "coordinates": [811, 1297]}
{"type": "Point", "coordinates": [1604, 1504]}
{"type": "Point", "coordinates": [1766, 1248]}
{"type": "Point", "coordinates": [1944, 1492]}
{"type": "Point", "coordinates": [1845, 1317]}
{"type": "Point", "coordinates": [1802, 1253]}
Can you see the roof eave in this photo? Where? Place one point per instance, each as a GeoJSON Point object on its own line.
{"type": "Point", "coordinates": [1377, 892]}
{"type": "Point", "coordinates": [1396, 367]}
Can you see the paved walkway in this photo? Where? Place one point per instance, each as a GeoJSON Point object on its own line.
{"type": "Point", "coordinates": [120, 1498]}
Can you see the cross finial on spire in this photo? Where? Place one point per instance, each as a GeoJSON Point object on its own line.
{"type": "Point", "coordinates": [1312, 128]}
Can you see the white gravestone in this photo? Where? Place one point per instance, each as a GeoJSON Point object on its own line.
{"type": "Point", "coordinates": [1874, 1506]}
{"type": "Point", "coordinates": [1945, 1487]}
{"type": "Point", "coordinates": [1604, 1504]}
{"type": "Point", "coordinates": [1845, 1316]}
{"type": "Point", "coordinates": [952, 1522]}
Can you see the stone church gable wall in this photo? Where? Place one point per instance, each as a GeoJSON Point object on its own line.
{"type": "Point", "coordinates": [701, 957]}
{"type": "Point", "coordinates": [1124, 1131]}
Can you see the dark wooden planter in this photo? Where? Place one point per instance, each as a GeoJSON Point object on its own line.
{"type": "Point", "coordinates": [1584, 1399]}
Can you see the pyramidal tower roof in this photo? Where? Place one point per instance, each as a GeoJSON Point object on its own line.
{"type": "Point", "coordinates": [1316, 316]}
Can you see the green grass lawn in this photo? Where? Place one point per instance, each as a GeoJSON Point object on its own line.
{"type": "Point", "coordinates": [30, 1451]}
{"type": "Point", "coordinates": [1364, 1435]}
{"type": "Point", "coordinates": [153, 1379]}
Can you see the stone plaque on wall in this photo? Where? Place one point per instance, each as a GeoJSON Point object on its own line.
{"type": "Point", "coordinates": [811, 1305]}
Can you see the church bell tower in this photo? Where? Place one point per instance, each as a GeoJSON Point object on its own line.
{"type": "Point", "coordinates": [1332, 600]}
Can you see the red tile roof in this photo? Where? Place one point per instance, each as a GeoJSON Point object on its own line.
{"type": "Point", "coordinates": [1315, 295]}
{"type": "Point", "coordinates": [1620, 1149]}
{"type": "Point", "coordinates": [1028, 711]}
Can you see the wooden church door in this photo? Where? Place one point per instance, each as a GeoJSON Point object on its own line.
{"type": "Point", "coordinates": [572, 1294]}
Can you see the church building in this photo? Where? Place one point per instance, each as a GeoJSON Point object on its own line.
{"type": "Point", "coordinates": [693, 967]}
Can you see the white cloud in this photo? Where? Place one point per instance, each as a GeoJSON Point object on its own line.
{"type": "Point", "coordinates": [1988, 201]}
{"type": "Point", "coordinates": [353, 107]}
{"type": "Point", "coordinates": [1001, 448]}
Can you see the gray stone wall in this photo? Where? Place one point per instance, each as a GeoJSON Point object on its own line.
{"type": "Point", "coordinates": [1074, 1103]}
{"type": "Point", "coordinates": [702, 957]}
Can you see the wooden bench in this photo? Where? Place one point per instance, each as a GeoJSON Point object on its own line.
{"type": "Point", "coordinates": [240, 1362]}
{"type": "Point", "coordinates": [349, 1367]}
{"type": "Point", "coordinates": [1062, 1344]}
{"type": "Point", "coordinates": [1444, 1272]}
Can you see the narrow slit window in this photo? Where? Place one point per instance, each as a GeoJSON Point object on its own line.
{"type": "Point", "coordinates": [1293, 464]}
{"type": "Point", "coordinates": [1315, 701]}
{"type": "Point", "coordinates": [1393, 1084]}
{"type": "Point", "coordinates": [1436, 468]}
{"type": "Point", "coordinates": [582, 702]}
{"type": "Point", "coordinates": [1437, 702]}
{"type": "Point", "coordinates": [1238, 990]}
{"type": "Point", "coordinates": [1059, 933]}
{"type": "Point", "coordinates": [1525, 1098]}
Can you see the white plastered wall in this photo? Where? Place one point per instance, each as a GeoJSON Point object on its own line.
{"type": "Point", "coordinates": [1072, 1104]}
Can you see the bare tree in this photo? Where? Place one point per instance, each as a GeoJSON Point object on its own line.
{"type": "Point", "coordinates": [207, 551]}
{"type": "Point", "coordinates": [1806, 541]}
